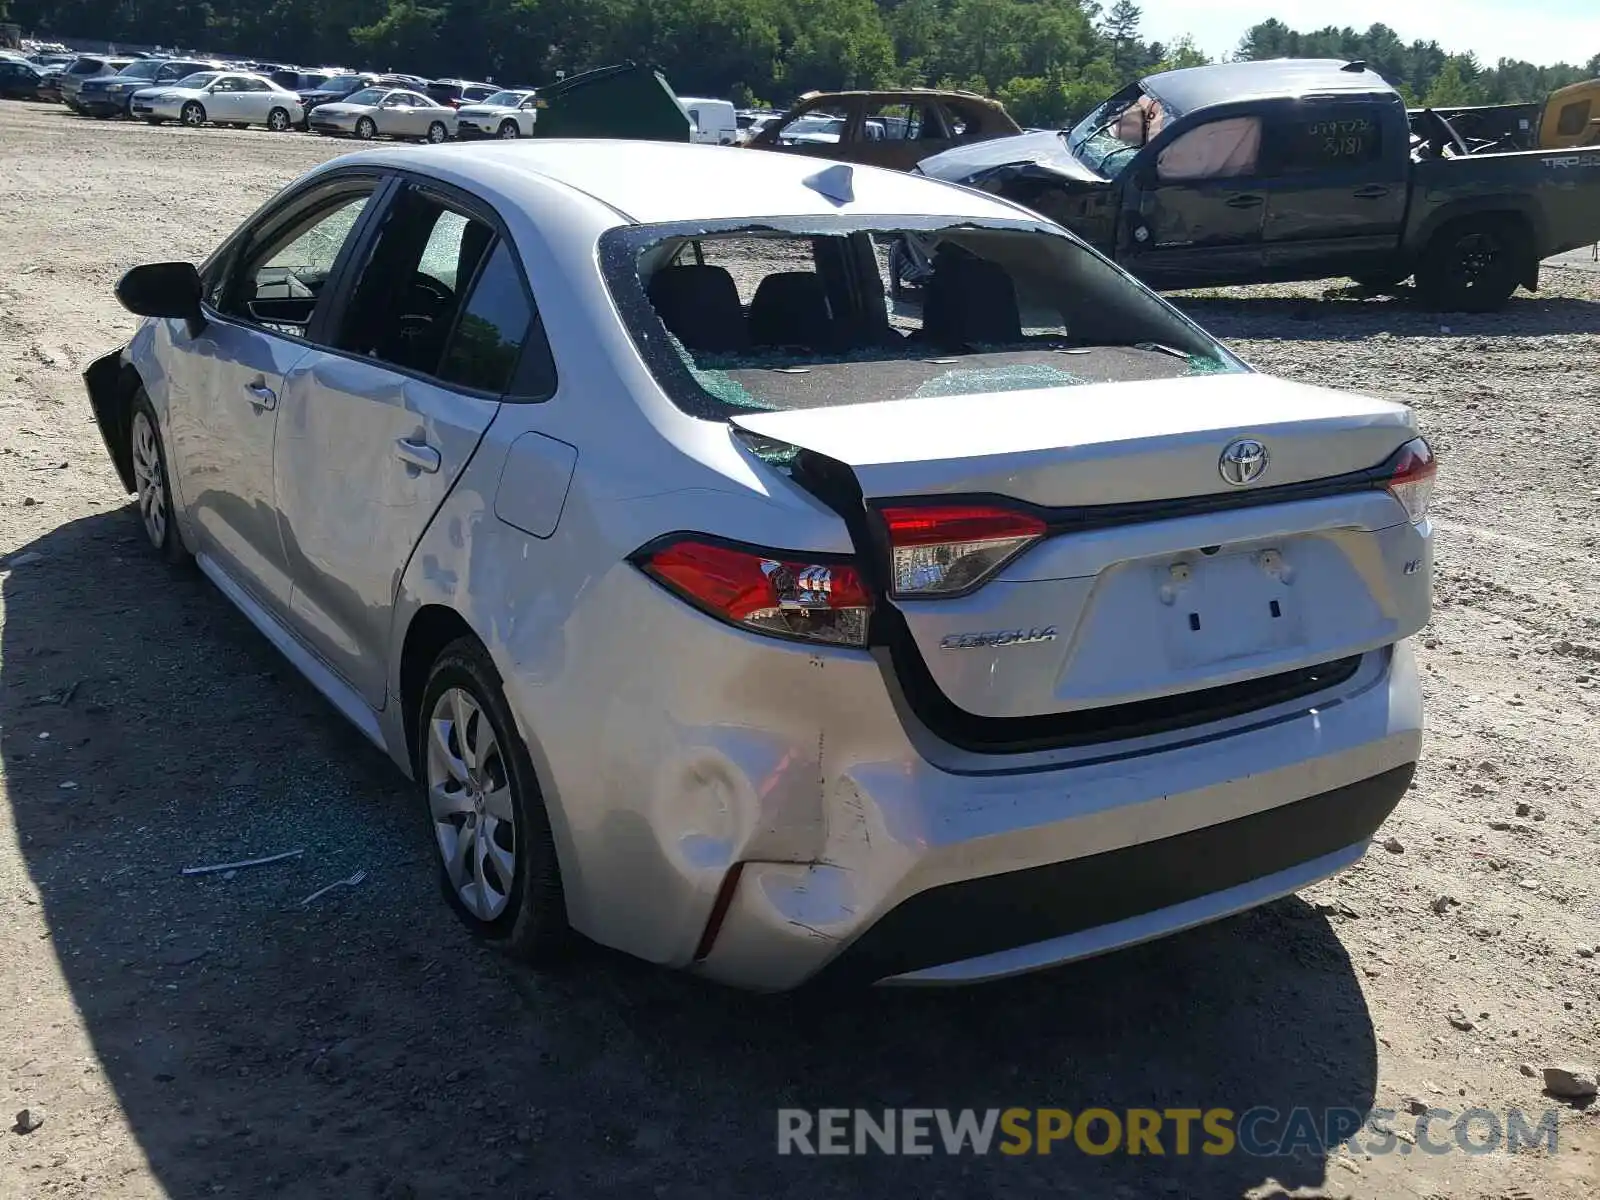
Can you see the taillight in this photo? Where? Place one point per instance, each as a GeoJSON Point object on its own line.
{"type": "Point", "coordinates": [947, 549]}
{"type": "Point", "coordinates": [1412, 482]}
{"type": "Point", "coordinates": [769, 592]}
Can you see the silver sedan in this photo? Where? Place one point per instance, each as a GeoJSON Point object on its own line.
{"type": "Point", "coordinates": [386, 112]}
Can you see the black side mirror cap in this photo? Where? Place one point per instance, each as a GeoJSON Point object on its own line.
{"type": "Point", "coordinates": [168, 290]}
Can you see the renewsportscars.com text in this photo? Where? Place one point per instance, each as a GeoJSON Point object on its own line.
{"type": "Point", "coordinates": [1265, 1132]}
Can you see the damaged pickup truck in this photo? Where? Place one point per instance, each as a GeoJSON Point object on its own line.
{"type": "Point", "coordinates": [1257, 172]}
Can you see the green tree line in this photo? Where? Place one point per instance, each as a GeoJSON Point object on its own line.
{"type": "Point", "coordinates": [1048, 60]}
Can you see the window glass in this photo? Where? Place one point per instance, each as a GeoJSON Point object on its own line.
{"type": "Point", "coordinates": [488, 340]}
{"type": "Point", "coordinates": [868, 312]}
{"type": "Point", "coordinates": [892, 123]}
{"type": "Point", "coordinates": [817, 126]}
{"type": "Point", "coordinates": [282, 278]}
{"type": "Point", "coordinates": [1217, 150]}
{"type": "Point", "coordinates": [409, 293]}
{"type": "Point", "coordinates": [1325, 142]}
{"type": "Point", "coordinates": [1574, 118]}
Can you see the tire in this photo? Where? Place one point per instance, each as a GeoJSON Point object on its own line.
{"type": "Point", "coordinates": [1474, 264]}
{"type": "Point", "coordinates": [366, 129]}
{"type": "Point", "coordinates": [193, 114]}
{"type": "Point", "coordinates": [152, 483]}
{"type": "Point", "coordinates": [278, 120]}
{"type": "Point", "coordinates": [437, 133]}
{"type": "Point", "coordinates": [525, 915]}
{"type": "Point", "coordinates": [509, 129]}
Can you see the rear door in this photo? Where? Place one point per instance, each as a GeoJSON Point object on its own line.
{"type": "Point", "coordinates": [1335, 180]}
{"type": "Point", "coordinates": [1199, 206]}
{"type": "Point", "coordinates": [374, 431]}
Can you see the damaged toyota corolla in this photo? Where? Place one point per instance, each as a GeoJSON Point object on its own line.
{"type": "Point", "coordinates": [730, 614]}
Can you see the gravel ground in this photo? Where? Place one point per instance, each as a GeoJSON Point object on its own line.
{"type": "Point", "coordinates": [199, 1036]}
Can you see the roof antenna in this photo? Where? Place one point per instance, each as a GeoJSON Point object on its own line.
{"type": "Point", "coordinates": [837, 183]}
{"type": "Point", "coordinates": [1356, 67]}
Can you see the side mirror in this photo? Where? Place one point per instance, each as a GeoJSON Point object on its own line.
{"type": "Point", "coordinates": [170, 290]}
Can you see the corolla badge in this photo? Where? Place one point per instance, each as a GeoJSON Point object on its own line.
{"type": "Point", "coordinates": [997, 638]}
{"type": "Point", "coordinates": [1243, 461]}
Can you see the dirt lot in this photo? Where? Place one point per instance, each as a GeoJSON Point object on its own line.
{"type": "Point", "coordinates": [200, 1036]}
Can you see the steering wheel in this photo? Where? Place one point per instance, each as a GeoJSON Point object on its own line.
{"type": "Point", "coordinates": [426, 299]}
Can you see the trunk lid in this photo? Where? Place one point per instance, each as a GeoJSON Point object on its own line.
{"type": "Point", "coordinates": [1095, 444]}
{"type": "Point", "coordinates": [1166, 599]}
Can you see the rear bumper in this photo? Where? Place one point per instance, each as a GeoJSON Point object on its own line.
{"type": "Point", "coordinates": [958, 878]}
{"type": "Point", "coordinates": [1018, 921]}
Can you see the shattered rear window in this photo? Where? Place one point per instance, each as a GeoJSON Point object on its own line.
{"type": "Point", "coordinates": [759, 319]}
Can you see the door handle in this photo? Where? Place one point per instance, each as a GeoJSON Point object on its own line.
{"type": "Point", "coordinates": [263, 398]}
{"type": "Point", "coordinates": [1244, 201]}
{"type": "Point", "coordinates": [1373, 191]}
{"type": "Point", "coordinates": [417, 454]}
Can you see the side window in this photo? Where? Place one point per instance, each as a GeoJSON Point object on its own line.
{"type": "Point", "coordinates": [824, 124]}
{"type": "Point", "coordinates": [892, 123]}
{"type": "Point", "coordinates": [1328, 141]}
{"type": "Point", "coordinates": [1574, 118]}
{"type": "Point", "coordinates": [406, 302]}
{"type": "Point", "coordinates": [283, 272]}
{"type": "Point", "coordinates": [488, 340]}
{"type": "Point", "coordinates": [1217, 150]}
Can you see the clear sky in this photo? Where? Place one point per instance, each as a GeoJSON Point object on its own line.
{"type": "Point", "coordinates": [1539, 31]}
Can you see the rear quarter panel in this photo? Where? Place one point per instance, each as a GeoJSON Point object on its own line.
{"type": "Point", "coordinates": [1557, 191]}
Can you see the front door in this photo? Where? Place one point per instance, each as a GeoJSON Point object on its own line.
{"type": "Point", "coordinates": [373, 433]}
{"type": "Point", "coordinates": [226, 100]}
{"type": "Point", "coordinates": [261, 308]}
{"type": "Point", "coordinates": [1197, 212]}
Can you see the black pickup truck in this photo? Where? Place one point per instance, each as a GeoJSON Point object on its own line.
{"type": "Point", "coordinates": [1255, 172]}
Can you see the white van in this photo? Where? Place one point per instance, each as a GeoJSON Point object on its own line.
{"type": "Point", "coordinates": [714, 120]}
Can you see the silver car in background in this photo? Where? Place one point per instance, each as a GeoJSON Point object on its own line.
{"type": "Point", "coordinates": [234, 98]}
{"type": "Point", "coordinates": [508, 114]}
{"type": "Point", "coordinates": [385, 112]}
{"type": "Point", "coordinates": [730, 616]}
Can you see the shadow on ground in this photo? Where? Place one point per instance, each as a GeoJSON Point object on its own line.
{"type": "Point", "coordinates": [364, 1046]}
{"type": "Point", "coordinates": [1334, 316]}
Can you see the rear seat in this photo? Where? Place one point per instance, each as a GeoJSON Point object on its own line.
{"type": "Point", "coordinates": [700, 307]}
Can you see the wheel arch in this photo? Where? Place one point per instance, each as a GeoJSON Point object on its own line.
{"type": "Point", "coordinates": [1518, 211]}
{"type": "Point", "coordinates": [430, 628]}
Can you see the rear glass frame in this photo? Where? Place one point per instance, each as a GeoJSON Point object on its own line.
{"type": "Point", "coordinates": [621, 248]}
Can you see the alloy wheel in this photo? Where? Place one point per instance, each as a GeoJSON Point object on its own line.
{"type": "Point", "coordinates": [509, 130]}
{"type": "Point", "coordinates": [149, 483]}
{"type": "Point", "coordinates": [193, 115]}
{"type": "Point", "coordinates": [437, 133]}
{"type": "Point", "coordinates": [469, 797]}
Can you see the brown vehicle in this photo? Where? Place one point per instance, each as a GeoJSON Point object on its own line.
{"type": "Point", "coordinates": [895, 129]}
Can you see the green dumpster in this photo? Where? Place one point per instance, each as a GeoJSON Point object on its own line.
{"type": "Point", "coordinates": [623, 101]}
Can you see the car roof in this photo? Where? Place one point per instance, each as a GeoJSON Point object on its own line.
{"type": "Point", "coordinates": [1223, 83]}
{"type": "Point", "coordinates": [668, 182]}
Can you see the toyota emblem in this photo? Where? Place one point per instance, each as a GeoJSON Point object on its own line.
{"type": "Point", "coordinates": [1243, 461]}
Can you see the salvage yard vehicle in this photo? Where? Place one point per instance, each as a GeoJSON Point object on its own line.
{"type": "Point", "coordinates": [335, 89]}
{"type": "Point", "coordinates": [885, 129]}
{"type": "Point", "coordinates": [727, 619]}
{"type": "Point", "coordinates": [453, 93]}
{"type": "Point", "coordinates": [83, 68]}
{"type": "Point", "coordinates": [112, 95]}
{"type": "Point", "coordinates": [508, 114]}
{"type": "Point", "coordinates": [20, 80]}
{"type": "Point", "coordinates": [1252, 172]}
{"type": "Point", "coordinates": [221, 98]}
{"type": "Point", "coordinates": [385, 112]}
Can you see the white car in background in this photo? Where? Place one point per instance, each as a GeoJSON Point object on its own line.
{"type": "Point", "coordinates": [386, 112]}
{"type": "Point", "coordinates": [235, 98]}
{"type": "Point", "coordinates": [508, 114]}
